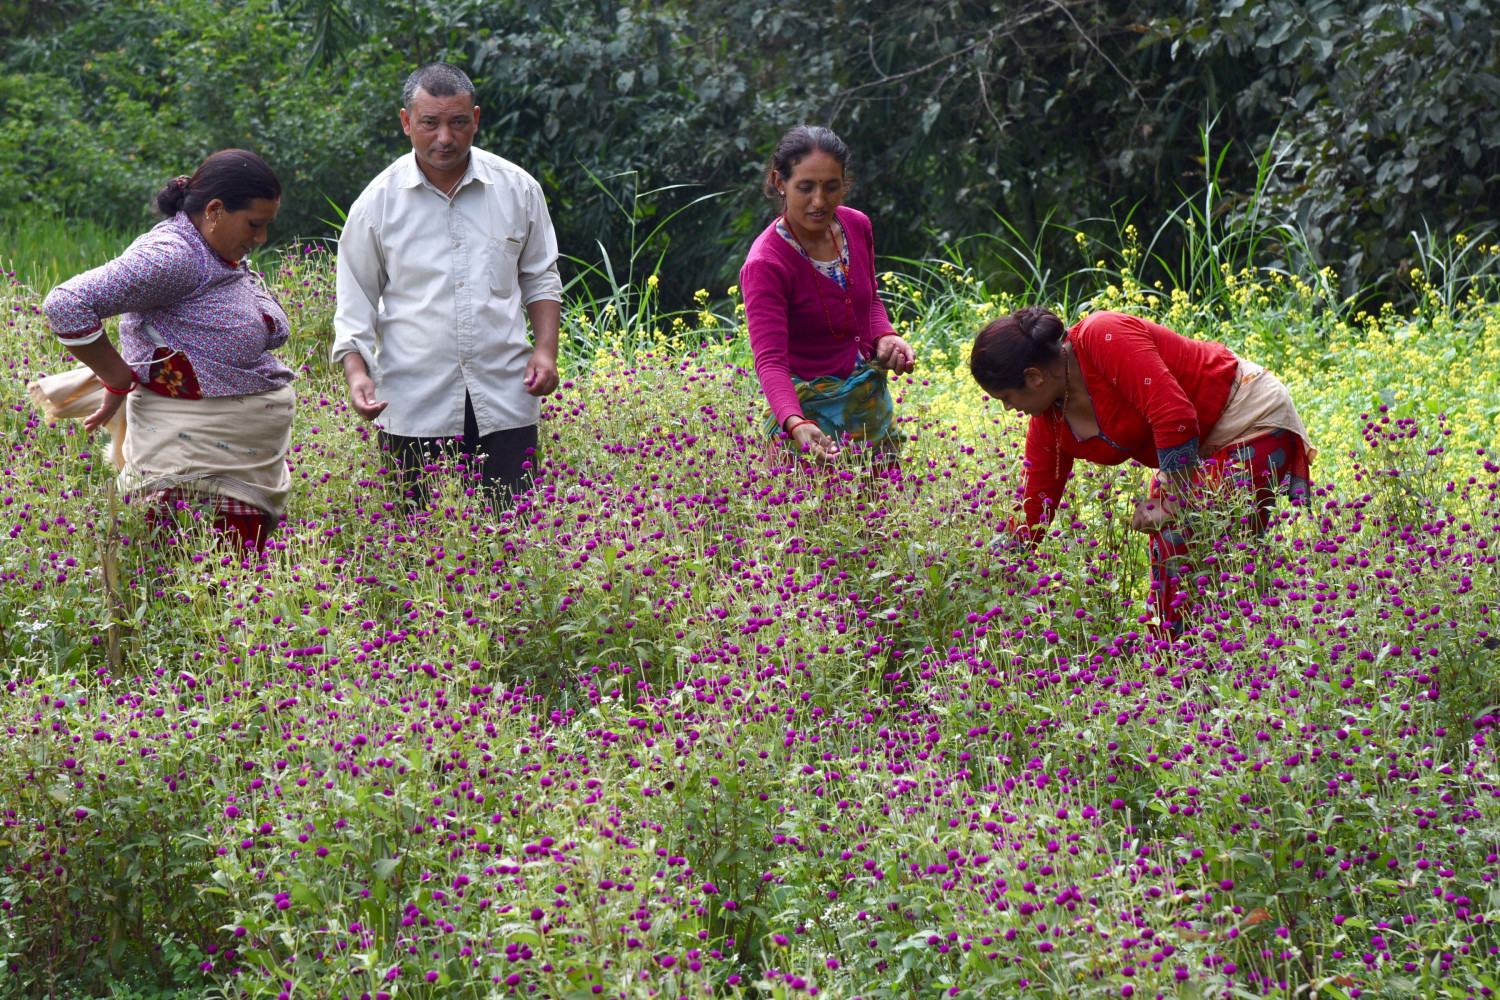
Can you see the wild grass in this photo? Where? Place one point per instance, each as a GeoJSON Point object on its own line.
{"type": "Point", "coordinates": [39, 249]}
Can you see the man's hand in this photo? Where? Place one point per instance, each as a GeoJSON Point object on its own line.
{"type": "Point", "coordinates": [361, 387]}
{"type": "Point", "coordinates": [894, 353]}
{"type": "Point", "coordinates": [541, 373]}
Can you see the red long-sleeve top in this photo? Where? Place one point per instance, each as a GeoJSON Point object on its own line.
{"type": "Point", "coordinates": [795, 330]}
{"type": "Point", "coordinates": [1156, 394]}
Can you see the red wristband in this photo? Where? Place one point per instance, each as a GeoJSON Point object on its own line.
{"type": "Point", "coordinates": [799, 423]}
{"type": "Point", "coordinates": [135, 380]}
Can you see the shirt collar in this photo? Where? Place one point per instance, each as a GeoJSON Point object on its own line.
{"type": "Point", "coordinates": [412, 176]}
{"type": "Point", "coordinates": [185, 225]}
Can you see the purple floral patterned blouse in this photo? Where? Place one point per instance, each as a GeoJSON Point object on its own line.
{"type": "Point", "coordinates": [217, 314]}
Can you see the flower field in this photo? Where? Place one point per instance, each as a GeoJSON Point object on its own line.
{"type": "Point", "coordinates": [695, 721]}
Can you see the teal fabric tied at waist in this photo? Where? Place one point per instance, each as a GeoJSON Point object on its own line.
{"type": "Point", "coordinates": [855, 410]}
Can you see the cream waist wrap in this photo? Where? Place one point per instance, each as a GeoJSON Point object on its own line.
{"type": "Point", "coordinates": [73, 395]}
{"type": "Point", "coordinates": [232, 446]}
{"type": "Point", "coordinates": [1258, 404]}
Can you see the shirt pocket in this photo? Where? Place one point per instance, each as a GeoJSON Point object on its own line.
{"type": "Point", "coordinates": [504, 261]}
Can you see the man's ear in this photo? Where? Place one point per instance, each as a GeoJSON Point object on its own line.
{"type": "Point", "coordinates": [406, 121]}
{"type": "Point", "coordinates": [476, 118]}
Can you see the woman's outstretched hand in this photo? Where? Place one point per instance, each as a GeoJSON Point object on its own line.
{"type": "Point", "coordinates": [811, 439]}
{"type": "Point", "coordinates": [1153, 514]}
{"type": "Point", "coordinates": [895, 354]}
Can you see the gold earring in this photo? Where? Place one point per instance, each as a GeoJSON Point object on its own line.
{"type": "Point", "coordinates": [215, 224]}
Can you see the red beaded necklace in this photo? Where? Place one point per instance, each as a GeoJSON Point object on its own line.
{"type": "Point", "coordinates": [844, 268]}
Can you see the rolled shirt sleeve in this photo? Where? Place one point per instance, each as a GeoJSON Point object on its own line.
{"type": "Point", "coordinates": [360, 277]}
{"type": "Point", "coordinates": [536, 271]}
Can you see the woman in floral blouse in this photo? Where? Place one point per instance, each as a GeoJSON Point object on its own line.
{"type": "Point", "coordinates": [208, 407]}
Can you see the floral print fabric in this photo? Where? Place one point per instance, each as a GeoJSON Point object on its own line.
{"type": "Point", "coordinates": [171, 374]}
{"type": "Point", "coordinates": [833, 270]}
{"type": "Point", "coordinates": [853, 410]}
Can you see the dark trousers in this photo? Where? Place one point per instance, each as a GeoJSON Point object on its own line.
{"type": "Point", "coordinates": [499, 462]}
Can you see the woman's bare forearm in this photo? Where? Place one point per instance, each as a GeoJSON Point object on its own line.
{"type": "Point", "coordinates": [104, 361]}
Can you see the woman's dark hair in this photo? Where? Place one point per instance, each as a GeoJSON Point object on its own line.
{"type": "Point", "coordinates": [798, 143]}
{"type": "Point", "coordinates": [235, 176]}
{"type": "Point", "coordinates": [1003, 350]}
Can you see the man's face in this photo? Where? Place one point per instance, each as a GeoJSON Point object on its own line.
{"type": "Point", "coordinates": [441, 129]}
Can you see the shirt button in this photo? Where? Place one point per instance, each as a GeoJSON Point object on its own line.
{"type": "Point", "coordinates": [458, 244]}
{"type": "Point", "coordinates": [460, 284]}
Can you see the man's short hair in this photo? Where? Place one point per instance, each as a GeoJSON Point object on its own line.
{"type": "Point", "coordinates": [439, 80]}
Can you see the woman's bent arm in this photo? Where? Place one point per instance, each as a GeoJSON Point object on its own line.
{"type": "Point", "coordinates": [153, 272]}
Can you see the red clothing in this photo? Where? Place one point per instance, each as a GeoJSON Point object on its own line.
{"type": "Point", "coordinates": [789, 328]}
{"type": "Point", "coordinates": [1156, 394]}
{"type": "Point", "coordinates": [1260, 466]}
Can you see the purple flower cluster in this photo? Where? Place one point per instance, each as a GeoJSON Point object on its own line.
{"type": "Point", "coordinates": [694, 716]}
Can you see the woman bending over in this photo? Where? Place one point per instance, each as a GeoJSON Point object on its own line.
{"type": "Point", "coordinates": [1117, 387]}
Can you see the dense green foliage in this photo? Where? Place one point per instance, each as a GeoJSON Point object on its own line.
{"type": "Point", "coordinates": [1378, 117]}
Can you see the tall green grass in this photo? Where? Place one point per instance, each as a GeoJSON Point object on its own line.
{"type": "Point", "coordinates": [41, 248]}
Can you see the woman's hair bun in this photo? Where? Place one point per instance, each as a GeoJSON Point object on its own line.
{"type": "Point", "coordinates": [1040, 325]}
{"type": "Point", "coordinates": [234, 176]}
{"type": "Point", "coordinates": [1008, 345]}
{"type": "Point", "coordinates": [170, 198]}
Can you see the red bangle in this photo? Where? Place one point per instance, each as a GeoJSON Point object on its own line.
{"type": "Point", "coordinates": [799, 423]}
{"type": "Point", "coordinates": [135, 380]}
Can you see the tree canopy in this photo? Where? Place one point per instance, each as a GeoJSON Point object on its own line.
{"type": "Point", "coordinates": [1358, 121]}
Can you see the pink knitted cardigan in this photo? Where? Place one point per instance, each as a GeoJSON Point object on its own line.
{"type": "Point", "coordinates": [789, 330]}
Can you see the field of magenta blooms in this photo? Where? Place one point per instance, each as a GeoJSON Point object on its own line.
{"type": "Point", "coordinates": [693, 720]}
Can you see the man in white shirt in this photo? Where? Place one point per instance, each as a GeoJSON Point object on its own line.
{"type": "Point", "coordinates": [438, 258]}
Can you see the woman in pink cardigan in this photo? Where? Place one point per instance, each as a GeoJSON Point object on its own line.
{"type": "Point", "coordinates": [821, 337]}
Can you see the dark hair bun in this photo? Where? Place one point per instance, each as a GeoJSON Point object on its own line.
{"type": "Point", "coordinates": [1004, 349]}
{"type": "Point", "coordinates": [1040, 325]}
{"type": "Point", "coordinates": [169, 199]}
{"type": "Point", "coordinates": [234, 176]}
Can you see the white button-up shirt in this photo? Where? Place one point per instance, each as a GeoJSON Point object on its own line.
{"type": "Point", "coordinates": [432, 293]}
